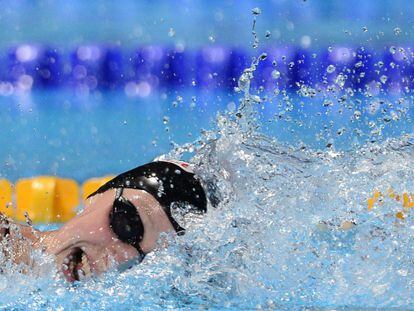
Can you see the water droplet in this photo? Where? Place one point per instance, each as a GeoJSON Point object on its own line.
{"type": "Point", "coordinates": [380, 64]}
{"type": "Point", "coordinates": [212, 38]}
{"type": "Point", "coordinates": [330, 49]}
{"type": "Point", "coordinates": [175, 104]}
{"type": "Point", "coordinates": [125, 122]}
{"type": "Point", "coordinates": [256, 98]}
{"type": "Point", "coordinates": [340, 131]}
{"type": "Point", "coordinates": [387, 119]}
{"type": "Point", "coordinates": [243, 80]}
{"type": "Point", "coordinates": [171, 32]}
{"type": "Point", "coordinates": [364, 29]}
{"type": "Point", "coordinates": [256, 11]}
{"type": "Point", "coordinates": [330, 69]}
{"type": "Point", "coordinates": [165, 120]}
{"type": "Point", "coordinates": [397, 31]}
{"type": "Point", "coordinates": [393, 49]}
{"type": "Point", "coordinates": [268, 34]}
{"type": "Point", "coordinates": [357, 114]}
{"type": "Point", "coordinates": [255, 44]}
{"type": "Point", "coordinates": [328, 103]}
{"type": "Point", "coordinates": [340, 80]}
{"type": "Point", "coordinates": [359, 64]}
{"type": "Point", "coordinates": [275, 74]}
{"type": "Point", "coordinates": [383, 79]}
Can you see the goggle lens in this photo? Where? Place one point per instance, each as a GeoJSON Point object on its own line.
{"type": "Point", "coordinates": [126, 223]}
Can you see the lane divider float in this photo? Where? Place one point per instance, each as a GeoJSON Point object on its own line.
{"type": "Point", "coordinates": [406, 199]}
{"type": "Point", "coordinates": [45, 199]}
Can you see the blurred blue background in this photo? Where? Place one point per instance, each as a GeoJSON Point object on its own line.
{"type": "Point", "coordinates": [89, 88]}
{"type": "Point", "coordinates": [198, 23]}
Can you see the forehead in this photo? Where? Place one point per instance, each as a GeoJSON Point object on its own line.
{"type": "Point", "coordinates": [100, 200]}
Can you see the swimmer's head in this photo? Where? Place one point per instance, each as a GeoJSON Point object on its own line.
{"type": "Point", "coordinates": [126, 218]}
{"type": "Point", "coordinates": [172, 183]}
{"type": "Point", "coordinates": [88, 245]}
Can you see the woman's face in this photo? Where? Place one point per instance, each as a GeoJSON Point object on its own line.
{"type": "Point", "coordinates": [86, 244]}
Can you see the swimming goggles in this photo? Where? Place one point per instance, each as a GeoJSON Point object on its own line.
{"type": "Point", "coordinates": [126, 224]}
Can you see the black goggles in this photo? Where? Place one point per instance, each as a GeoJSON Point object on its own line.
{"type": "Point", "coordinates": [126, 224]}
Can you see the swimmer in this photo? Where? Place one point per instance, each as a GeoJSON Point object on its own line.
{"type": "Point", "coordinates": [121, 222]}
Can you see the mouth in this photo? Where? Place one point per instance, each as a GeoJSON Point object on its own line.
{"type": "Point", "coordinates": [76, 266]}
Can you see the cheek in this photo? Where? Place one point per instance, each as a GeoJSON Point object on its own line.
{"type": "Point", "coordinates": [122, 252]}
{"type": "Point", "coordinates": [111, 256]}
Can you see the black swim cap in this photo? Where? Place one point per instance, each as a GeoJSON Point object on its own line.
{"type": "Point", "coordinates": [169, 183]}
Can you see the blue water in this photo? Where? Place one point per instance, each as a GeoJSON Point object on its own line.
{"type": "Point", "coordinates": [60, 133]}
{"type": "Point", "coordinates": [199, 22]}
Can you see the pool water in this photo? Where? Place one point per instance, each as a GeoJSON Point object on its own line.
{"type": "Point", "coordinates": [292, 230]}
{"type": "Point", "coordinates": [61, 134]}
{"type": "Point", "coordinates": [76, 136]}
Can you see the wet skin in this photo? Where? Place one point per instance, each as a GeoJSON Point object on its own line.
{"type": "Point", "coordinates": [86, 245]}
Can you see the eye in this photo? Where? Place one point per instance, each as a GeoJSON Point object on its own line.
{"type": "Point", "coordinates": [125, 222]}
